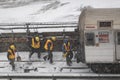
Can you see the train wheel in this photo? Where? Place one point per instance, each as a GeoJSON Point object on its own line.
{"type": "Point", "coordinates": [97, 68]}
{"type": "Point", "coordinates": [116, 69]}
{"type": "Point", "coordinates": [107, 69]}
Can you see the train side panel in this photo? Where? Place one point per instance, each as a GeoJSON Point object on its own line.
{"type": "Point", "coordinates": [102, 50]}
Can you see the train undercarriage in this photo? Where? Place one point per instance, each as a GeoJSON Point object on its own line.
{"type": "Point", "coordinates": [105, 67]}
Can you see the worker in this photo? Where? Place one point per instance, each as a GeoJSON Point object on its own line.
{"type": "Point", "coordinates": [11, 55]}
{"type": "Point", "coordinates": [35, 46]}
{"type": "Point", "coordinates": [63, 47]}
{"type": "Point", "coordinates": [49, 46]}
{"type": "Point", "coordinates": [68, 54]}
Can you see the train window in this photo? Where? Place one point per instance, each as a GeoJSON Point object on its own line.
{"type": "Point", "coordinates": [105, 24]}
{"type": "Point", "coordinates": [118, 38]}
{"type": "Point", "coordinates": [90, 39]}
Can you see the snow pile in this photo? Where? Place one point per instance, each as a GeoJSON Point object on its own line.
{"type": "Point", "coordinates": [18, 11]}
{"type": "Point", "coordinates": [14, 3]}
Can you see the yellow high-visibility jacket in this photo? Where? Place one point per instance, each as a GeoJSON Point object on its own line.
{"type": "Point", "coordinates": [11, 54]}
{"type": "Point", "coordinates": [67, 47]}
{"type": "Point", "coordinates": [46, 44]}
{"type": "Point", "coordinates": [35, 45]}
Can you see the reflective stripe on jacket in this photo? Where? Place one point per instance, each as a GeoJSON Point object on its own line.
{"type": "Point", "coordinates": [35, 45]}
{"type": "Point", "coordinates": [67, 46]}
{"type": "Point", "coordinates": [11, 54]}
{"type": "Point", "coordinates": [47, 46]}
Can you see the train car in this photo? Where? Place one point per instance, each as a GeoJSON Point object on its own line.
{"type": "Point", "coordinates": [99, 32]}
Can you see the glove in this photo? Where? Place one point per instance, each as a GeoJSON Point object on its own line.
{"type": "Point", "coordinates": [64, 55]}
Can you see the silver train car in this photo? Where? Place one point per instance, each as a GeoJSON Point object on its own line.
{"type": "Point", "coordinates": [99, 37]}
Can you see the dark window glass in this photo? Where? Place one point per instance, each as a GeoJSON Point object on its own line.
{"type": "Point", "coordinates": [105, 24]}
{"type": "Point", "coordinates": [90, 39]}
{"type": "Point", "coordinates": [118, 38]}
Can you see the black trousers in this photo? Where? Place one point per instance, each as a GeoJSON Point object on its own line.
{"type": "Point", "coordinates": [33, 50]}
{"type": "Point", "coordinates": [49, 56]}
{"type": "Point", "coordinates": [69, 57]}
{"type": "Point", "coordinates": [12, 63]}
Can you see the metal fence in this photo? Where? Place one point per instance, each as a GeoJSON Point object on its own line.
{"type": "Point", "coordinates": [10, 32]}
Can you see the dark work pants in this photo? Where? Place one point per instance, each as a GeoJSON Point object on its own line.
{"type": "Point", "coordinates": [12, 63]}
{"type": "Point", "coordinates": [49, 56]}
{"type": "Point", "coordinates": [33, 50]}
{"type": "Point", "coordinates": [69, 58]}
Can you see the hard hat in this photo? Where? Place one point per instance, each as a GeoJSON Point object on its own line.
{"type": "Point", "coordinates": [53, 38]}
{"type": "Point", "coordinates": [65, 40]}
{"type": "Point", "coordinates": [37, 38]}
{"type": "Point", "coordinates": [12, 47]}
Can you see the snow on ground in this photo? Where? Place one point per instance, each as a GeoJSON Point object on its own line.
{"type": "Point", "coordinates": [41, 65]}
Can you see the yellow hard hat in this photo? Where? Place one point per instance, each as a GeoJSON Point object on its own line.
{"type": "Point", "coordinates": [37, 38]}
{"type": "Point", "coordinates": [12, 47]}
{"type": "Point", "coordinates": [53, 38]}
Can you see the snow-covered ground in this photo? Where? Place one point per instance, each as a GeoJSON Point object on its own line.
{"type": "Point", "coordinates": [41, 65]}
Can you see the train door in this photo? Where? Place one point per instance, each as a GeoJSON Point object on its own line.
{"type": "Point", "coordinates": [118, 45]}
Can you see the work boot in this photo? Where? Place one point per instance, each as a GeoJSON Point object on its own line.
{"type": "Point", "coordinates": [51, 61]}
{"type": "Point", "coordinates": [10, 63]}
{"type": "Point", "coordinates": [68, 64]}
{"type": "Point", "coordinates": [70, 61]}
{"type": "Point", "coordinates": [29, 57]}
{"type": "Point", "coordinates": [45, 58]}
{"type": "Point", "coordinates": [13, 67]}
{"type": "Point", "coordinates": [39, 55]}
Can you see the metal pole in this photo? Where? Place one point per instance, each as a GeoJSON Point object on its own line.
{"type": "Point", "coordinates": [28, 31]}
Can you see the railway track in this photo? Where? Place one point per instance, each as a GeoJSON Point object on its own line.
{"type": "Point", "coordinates": [38, 66]}
{"type": "Point", "coordinates": [36, 61]}
{"type": "Point", "coordinates": [63, 76]}
{"type": "Point", "coordinates": [56, 73]}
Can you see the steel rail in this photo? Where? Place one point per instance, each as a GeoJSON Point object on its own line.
{"type": "Point", "coordinates": [36, 23]}
{"type": "Point", "coordinates": [36, 61]}
{"type": "Point", "coordinates": [55, 76]}
{"type": "Point", "coordinates": [60, 26]}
